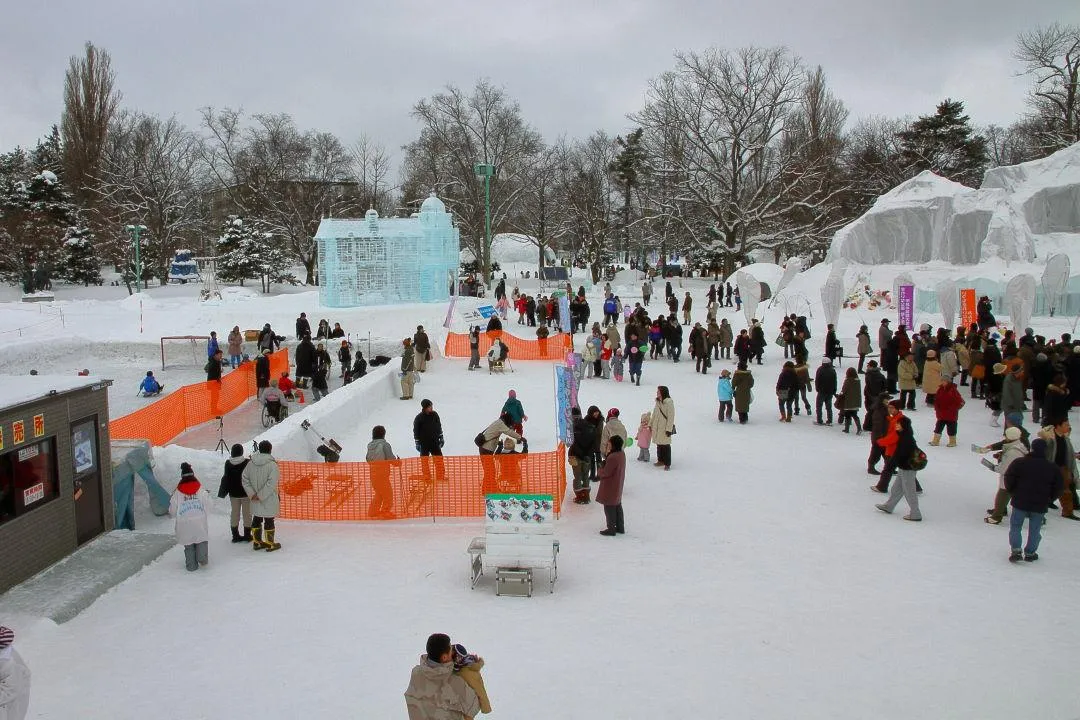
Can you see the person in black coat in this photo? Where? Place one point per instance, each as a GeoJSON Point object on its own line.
{"type": "Point", "coordinates": [825, 382]}
{"type": "Point", "coordinates": [320, 373]}
{"type": "Point", "coordinates": [873, 384]}
{"type": "Point", "coordinates": [1042, 374]}
{"type": "Point", "coordinates": [787, 387]}
{"type": "Point", "coordinates": [832, 344]}
{"type": "Point", "coordinates": [232, 485]}
{"type": "Point", "coordinates": [743, 351]}
{"type": "Point", "coordinates": [580, 454]}
{"type": "Point", "coordinates": [303, 327]}
{"type": "Point", "coordinates": [877, 412]}
{"type": "Point", "coordinates": [595, 418]}
{"type": "Point", "coordinates": [359, 368]}
{"type": "Point", "coordinates": [1034, 483]}
{"type": "Point", "coordinates": [305, 361]}
{"type": "Point", "coordinates": [757, 341]}
{"type": "Point", "coordinates": [494, 323]}
{"type": "Point", "coordinates": [428, 436]}
{"type": "Point", "coordinates": [905, 485]}
{"type": "Point", "coordinates": [890, 364]}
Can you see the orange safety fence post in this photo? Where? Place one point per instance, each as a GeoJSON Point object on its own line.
{"type": "Point", "coordinates": [192, 405]}
{"type": "Point", "coordinates": [553, 348]}
{"type": "Point", "coordinates": [452, 486]}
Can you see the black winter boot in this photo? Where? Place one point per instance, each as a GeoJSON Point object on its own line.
{"type": "Point", "coordinates": [247, 534]}
{"type": "Point", "coordinates": [236, 536]}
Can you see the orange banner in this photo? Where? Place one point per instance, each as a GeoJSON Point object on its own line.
{"type": "Point", "coordinates": [416, 487]}
{"type": "Point", "coordinates": [967, 307]}
{"type": "Point", "coordinates": [551, 348]}
{"type": "Point", "coordinates": [191, 405]}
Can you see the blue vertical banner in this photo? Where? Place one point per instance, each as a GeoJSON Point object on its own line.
{"type": "Point", "coordinates": [564, 312]}
{"type": "Point", "coordinates": [565, 390]}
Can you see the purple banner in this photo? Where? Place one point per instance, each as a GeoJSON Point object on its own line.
{"type": "Point", "coordinates": [905, 305]}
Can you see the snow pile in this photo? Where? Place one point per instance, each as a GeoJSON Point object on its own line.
{"type": "Point", "coordinates": [514, 248]}
{"type": "Point", "coordinates": [930, 218]}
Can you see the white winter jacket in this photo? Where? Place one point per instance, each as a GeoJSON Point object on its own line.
{"type": "Point", "coordinates": [14, 685]}
{"type": "Point", "coordinates": [261, 480]}
{"type": "Point", "coordinates": [190, 505]}
{"type": "Point", "coordinates": [662, 421]}
{"type": "Point", "coordinates": [1010, 450]}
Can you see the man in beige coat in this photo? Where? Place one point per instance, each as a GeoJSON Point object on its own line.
{"type": "Point", "coordinates": [435, 692]}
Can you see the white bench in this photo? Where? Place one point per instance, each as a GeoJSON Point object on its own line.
{"type": "Point", "coordinates": [519, 538]}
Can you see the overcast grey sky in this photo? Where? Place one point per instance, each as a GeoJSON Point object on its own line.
{"type": "Point", "coordinates": [574, 65]}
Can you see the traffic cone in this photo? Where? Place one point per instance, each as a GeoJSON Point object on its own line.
{"type": "Point", "coordinates": [300, 396]}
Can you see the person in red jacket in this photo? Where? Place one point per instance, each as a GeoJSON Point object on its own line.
{"type": "Point", "coordinates": [903, 342]}
{"type": "Point", "coordinates": [888, 446]}
{"type": "Point", "coordinates": [286, 385]}
{"type": "Point", "coordinates": [947, 404]}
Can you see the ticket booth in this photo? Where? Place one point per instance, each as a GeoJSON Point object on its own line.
{"type": "Point", "coordinates": [55, 477]}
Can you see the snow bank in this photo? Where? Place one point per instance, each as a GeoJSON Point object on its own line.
{"type": "Point", "coordinates": [513, 248]}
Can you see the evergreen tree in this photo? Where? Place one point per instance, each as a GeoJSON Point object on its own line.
{"type": "Point", "coordinates": [36, 211]}
{"type": "Point", "coordinates": [627, 166]}
{"type": "Point", "coordinates": [946, 144]}
{"type": "Point", "coordinates": [237, 251]}
{"type": "Point", "coordinates": [272, 259]}
{"type": "Point", "coordinates": [81, 263]}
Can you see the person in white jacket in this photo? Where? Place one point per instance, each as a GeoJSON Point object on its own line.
{"type": "Point", "coordinates": [662, 425]}
{"type": "Point", "coordinates": [260, 480]}
{"type": "Point", "coordinates": [190, 505]}
{"type": "Point", "coordinates": [1012, 448]}
{"type": "Point", "coordinates": [14, 679]}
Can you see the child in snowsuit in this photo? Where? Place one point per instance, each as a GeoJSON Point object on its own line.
{"type": "Point", "coordinates": [150, 385]}
{"type": "Point", "coordinates": [468, 667]}
{"type": "Point", "coordinates": [190, 505]}
{"type": "Point", "coordinates": [617, 365]}
{"type": "Point", "coordinates": [644, 437]}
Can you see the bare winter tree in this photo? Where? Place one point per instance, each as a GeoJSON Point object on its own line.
{"type": "Point", "coordinates": [90, 105]}
{"type": "Point", "coordinates": [874, 161]}
{"type": "Point", "coordinates": [152, 174]}
{"type": "Point", "coordinates": [540, 214]}
{"type": "Point", "coordinates": [371, 169]}
{"type": "Point", "coordinates": [1020, 142]}
{"type": "Point", "coordinates": [1051, 55]}
{"type": "Point", "coordinates": [287, 179]}
{"type": "Point", "coordinates": [591, 201]}
{"type": "Point", "coordinates": [736, 111]}
{"type": "Point", "coordinates": [457, 132]}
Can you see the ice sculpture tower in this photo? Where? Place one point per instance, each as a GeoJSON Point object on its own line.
{"type": "Point", "coordinates": [383, 261]}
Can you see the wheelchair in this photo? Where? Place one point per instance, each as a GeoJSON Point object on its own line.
{"type": "Point", "coordinates": [274, 411]}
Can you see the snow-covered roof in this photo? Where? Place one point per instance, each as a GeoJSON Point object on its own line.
{"type": "Point", "coordinates": [22, 389]}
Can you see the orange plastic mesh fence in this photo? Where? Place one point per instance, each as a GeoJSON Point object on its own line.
{"type": "Point", "coordinates": [551, 348]}
{"type": "Point", "coordinates": [191, 405]}
{"type": "Point", "coordinates": [416, 487]}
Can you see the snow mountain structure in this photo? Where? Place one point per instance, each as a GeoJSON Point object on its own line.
{"type": "Point", "coordinates": [1021, 216]}
{"type": "Point", "coordinates": [384, 261]}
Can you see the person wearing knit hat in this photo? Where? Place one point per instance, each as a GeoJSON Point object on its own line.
{"type": "Point", "coordinates": [190, 505]}
{"type": "Point", "coordinates": [1012, 448]}
{"type": "Point", "coordinates": [515, 410]}
{"type": "Point", "coordinates": [14, 679]}
{"type": "Point", "coordinates": [468, 666]}
{"type": "Point", "coordinates": [613, 427]}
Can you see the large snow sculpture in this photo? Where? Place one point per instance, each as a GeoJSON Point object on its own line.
{"type": "Point", "coordinates": [749, 292]}
{"type": "Point", "coordinates": [378, 261]}
{"type": "Point", "coordinates": [1054, 279]}
{"type": "Point", "coordinates": [948, 297]}
{"type": "Point", "coordinates": [1046, 191]}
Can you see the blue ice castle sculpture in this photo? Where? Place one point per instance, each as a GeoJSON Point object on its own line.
{"type": "Point", "coordinates": [383, 261]}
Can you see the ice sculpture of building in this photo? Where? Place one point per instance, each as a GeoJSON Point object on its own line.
{"type": "Point", "coordinates": [382, 261]}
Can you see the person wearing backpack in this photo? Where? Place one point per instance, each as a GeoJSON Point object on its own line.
{"type": "Point", "coordinates": [906, 458]}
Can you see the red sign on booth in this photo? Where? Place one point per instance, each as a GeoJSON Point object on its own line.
{"type": "Point", "coordinates": [18, 432]}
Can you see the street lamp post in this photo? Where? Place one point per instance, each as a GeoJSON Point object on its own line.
{"type": "Point", "coordinates": [135, 230]}
{"type": "Point", "coordinates": [486, 171]}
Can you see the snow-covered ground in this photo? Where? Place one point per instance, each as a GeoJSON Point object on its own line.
{"type": "Point", "coordinates": [756, 580]}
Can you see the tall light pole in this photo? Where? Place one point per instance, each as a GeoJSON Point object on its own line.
{"type": "Point", "coordinates": [135, 230]}
{"type": "Point", "coordinates": [486, 170]}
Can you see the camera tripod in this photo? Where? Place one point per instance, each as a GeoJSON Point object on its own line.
{"type": "Point", "coordinates": [221, 447]}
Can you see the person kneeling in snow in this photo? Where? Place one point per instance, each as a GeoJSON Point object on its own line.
{"type": "Point", "coordinates": [15, 679]}
{"type": "Point", "coordinates": [149, 385]}
{"type": "Point", "coordinates": [190, 505]}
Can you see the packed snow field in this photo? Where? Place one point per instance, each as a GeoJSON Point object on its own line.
{"type": "Point", "coordinates": [756, 579]}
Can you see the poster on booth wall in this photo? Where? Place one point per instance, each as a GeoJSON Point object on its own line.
{"type": "Point", "coordinates": [905, 306]}
{"type": "Point", "coordinates": [82, 441]}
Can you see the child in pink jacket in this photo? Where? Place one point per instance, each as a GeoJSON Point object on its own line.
{"type": "Point", "coordinates": [644, 437]}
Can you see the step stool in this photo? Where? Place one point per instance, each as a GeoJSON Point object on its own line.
{"type": "Point", "coordinates": [515, 582]}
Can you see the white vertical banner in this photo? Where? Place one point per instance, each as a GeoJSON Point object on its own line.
{"type": "Point", "coordinates": [1054, 279]}
{"type": "Point", "coordinates": [750, 291]}
{"type": "Point", "coordinates": [793, 268]}
{"type": "Point", "coordinates": [948, 298]}
{"type": "Point", "coordinates": [1020, 293]}
{"type": "Point", "coordinates": [832, 298]}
